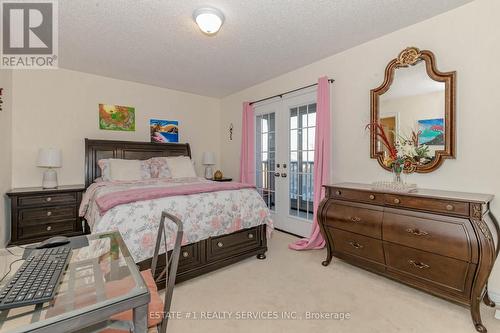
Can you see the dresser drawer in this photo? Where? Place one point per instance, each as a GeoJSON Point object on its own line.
{"type": "Point", "coordinates": [355, 218]}
{"type": "Point", "coordinates": [47, 199]}
{"type": "Point", "coordinates": [46, 214]}
{"type": "Point", "coordinates": [40, 230]}
{"type": "Point", "coordinates": [238, 242]}
{"type": "Point", "coordinates": [443, 272]}
{"type": "Point", "coordinates": [358, 245]}
{"type": "Point", "coordinates": [445, 236]}
{"type": "Point", "coordinates": [432, 205]}
{"type": "Point", "coordinates": [356, 195]}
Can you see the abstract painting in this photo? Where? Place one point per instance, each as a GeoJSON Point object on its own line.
{"type": "Point", "coordinates": [164, 130]}
{"type": "Point", "coordinates": [431, 132]}
{"type": "Point", "coordinates": [116, 117]}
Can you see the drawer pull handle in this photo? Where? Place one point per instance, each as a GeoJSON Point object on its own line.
{"type": "Point", "coordinates": [416, 232]}
{"type": "Point", "coordinates": [397, 201]}
{"type": "Point", "coordinates": [185, 254]}
{"type": "Point", "coordinates": [356, 245]}
{"type": "Point", "coordinates": [49, 213]}
{"type": "Point", "coordinates": [338, 192]}
{"type": "Point", "coordinates": [449, 207]}
{"type": "Point", "coordinates": [419, 265]}
{"type": "Point", "coordinates": [355, 219]}
{"type": "Point", "coordinates": [220, 244]}
{"type": "Point", "coordinates": [49, 228]}
{"type": "Point", "coordinates": [372, 197]}
{"type": "Point", "coordinates": [250, 236]}
{"type": "Point", "coordinates": [48, 199]}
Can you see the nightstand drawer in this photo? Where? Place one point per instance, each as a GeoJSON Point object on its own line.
{"type": "Point", "coordinates": [48, 214]}
{"type": "Point", "coordinates": [47, 229]}
{"type": "Point", "coordinates": [47, 199]}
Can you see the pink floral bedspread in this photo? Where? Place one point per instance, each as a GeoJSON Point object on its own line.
{"type": "Point", "coordinates": [204, 215]}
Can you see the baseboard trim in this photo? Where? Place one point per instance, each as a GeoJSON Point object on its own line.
{"type": "Point", "coordinates": [287, 232]}
{"type": "Point", "coordinates": [495, 297]}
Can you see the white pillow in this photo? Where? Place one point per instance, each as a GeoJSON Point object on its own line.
{"type": "Point", "coordinates": [181, 167]}
{"type": "Point", "coordinates": [104, 165]}
{"type": "Point", "coordinates": [124, 170]}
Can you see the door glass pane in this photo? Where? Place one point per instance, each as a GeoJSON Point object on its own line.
{"type": "Point", "coordinates": [265, 158]}
{"type": "Point", "coordinates": [294, 139]}
{"type": "Point", "coordinates": [301, 152]}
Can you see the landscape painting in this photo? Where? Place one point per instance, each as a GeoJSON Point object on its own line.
{"type": "Point", "coordinates": [116, 117]}
{"type": "Point", "coordinates": [164, 130]}
{"type": "Point", "coordinates": [431, 132]}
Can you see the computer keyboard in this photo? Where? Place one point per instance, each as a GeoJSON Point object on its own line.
{"type": "Point", "coordinates": [37, 279]}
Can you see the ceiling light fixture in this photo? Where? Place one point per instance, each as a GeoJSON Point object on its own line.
{"type": "Point", "coordinates": [208, 19]}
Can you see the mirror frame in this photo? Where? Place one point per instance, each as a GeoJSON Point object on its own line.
{"type": "Point", "coordinates": [406, 58]}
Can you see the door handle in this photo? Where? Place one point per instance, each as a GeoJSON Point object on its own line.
{"type": "Point", "coordinates": [283, 175]}
{"type": "Point", "coordinates": [276, 174]}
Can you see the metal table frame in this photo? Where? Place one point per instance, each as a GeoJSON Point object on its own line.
{"type": "Point", "coordinates": [96, 314]}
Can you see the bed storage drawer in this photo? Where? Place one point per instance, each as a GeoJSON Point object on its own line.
{"type": "Point", "coordinates": [238, 242]}
{"type": "Point", "coordinates": [190, 257]}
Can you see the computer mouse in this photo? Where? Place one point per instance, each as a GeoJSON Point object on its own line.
{"type": "Point", "coordinates": [53, 242]}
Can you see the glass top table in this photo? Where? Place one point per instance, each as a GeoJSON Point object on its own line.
{"type": "Point", "coordinates": [101, 280]}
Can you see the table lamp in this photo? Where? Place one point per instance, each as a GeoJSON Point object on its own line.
{"type": "Point", "coordinates": [49, 158]}
{"type": "Point", "coordinates": [208, 160]}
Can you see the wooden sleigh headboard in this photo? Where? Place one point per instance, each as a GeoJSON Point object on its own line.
{"type": "Point", "coordinates": [96, 150]}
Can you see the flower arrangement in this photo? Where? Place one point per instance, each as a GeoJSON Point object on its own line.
{"type": "Point", "coordinates": [405, 153]}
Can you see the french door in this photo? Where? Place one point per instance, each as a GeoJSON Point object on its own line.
{"type": "Point", "coordinates": [284, 148]}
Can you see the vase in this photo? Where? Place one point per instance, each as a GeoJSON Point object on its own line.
{"type": "Point", "coordinates": [397, 169]}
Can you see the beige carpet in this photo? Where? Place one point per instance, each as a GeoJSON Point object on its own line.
{"type": "Point", "coordinates": [296, 282]}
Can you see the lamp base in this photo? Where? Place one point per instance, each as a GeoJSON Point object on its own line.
{"type": "Point", "coordinates": [49, 179]}
{"type": "Point", "coordinates": [209, 172]}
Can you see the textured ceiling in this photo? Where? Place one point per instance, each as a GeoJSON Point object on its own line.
{"type": "Point", "coordinates": [156, 41]}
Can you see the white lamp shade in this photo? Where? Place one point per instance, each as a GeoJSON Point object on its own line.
{"type": "Point", "coordinates": [208, 158]}
{"type": "Point", "coordinates": [49, 158]}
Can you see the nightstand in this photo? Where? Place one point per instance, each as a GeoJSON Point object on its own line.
{"type": "Point", "coordinates": [223, 179]}
{"type": "Point", "coordinates": [38, 214]}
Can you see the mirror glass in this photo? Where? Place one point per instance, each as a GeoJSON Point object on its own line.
{"type": "Point", "coordinates": [412, 113]}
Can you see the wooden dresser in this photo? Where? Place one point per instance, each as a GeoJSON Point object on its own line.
{"type": "Point", "coordinates": [444, 243]}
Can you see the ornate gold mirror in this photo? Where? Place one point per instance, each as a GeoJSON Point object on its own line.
{"type": "Point", "coordinates": [413, 113]}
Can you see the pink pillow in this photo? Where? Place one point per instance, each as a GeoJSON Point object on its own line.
{"type": "Point", "coordinates": [159, 168]}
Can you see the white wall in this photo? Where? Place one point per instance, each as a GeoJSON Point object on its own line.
{"type": "Point", "coordinates": [5, 153]}
{"type": "Point", "coordinates": [466, 40]}
{"type": "Point", "coordinates": [59, 108]}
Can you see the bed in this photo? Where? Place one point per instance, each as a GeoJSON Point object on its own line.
{"type": "Point", "coordinates": [234, 226]}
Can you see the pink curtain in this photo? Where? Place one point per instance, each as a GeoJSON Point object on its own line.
{"type": "Point", "coordinates": [247, 159]}
{"type": "Point", "coordinates": [321, 164]}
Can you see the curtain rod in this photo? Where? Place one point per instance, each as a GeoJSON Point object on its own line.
{"type": "Point", "coordinates": [288, 92]}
